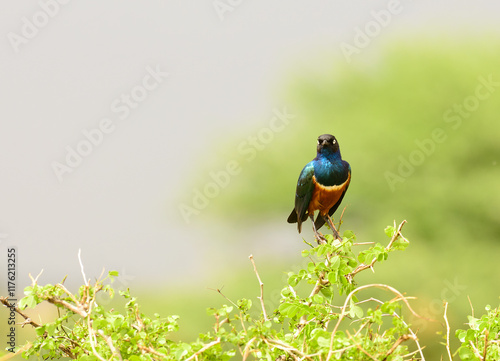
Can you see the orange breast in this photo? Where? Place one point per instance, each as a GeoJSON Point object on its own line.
{"type": "Point", "coordinates": [324, 197]}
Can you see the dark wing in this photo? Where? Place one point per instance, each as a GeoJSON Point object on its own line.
{"type": "Point", "coordinates": [320, 221]}
{"type": "Point", "coordinates": [303, 194]}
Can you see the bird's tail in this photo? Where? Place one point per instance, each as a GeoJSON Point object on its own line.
{"type": "Point", "coordinates": [292, 218]}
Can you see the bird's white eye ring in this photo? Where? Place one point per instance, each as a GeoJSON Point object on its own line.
{"type": "Point", "coordinates": [319, 141]}
{"type": "Point", "coordinates": [334, 141]}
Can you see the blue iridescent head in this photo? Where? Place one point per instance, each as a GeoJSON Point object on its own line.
{"type": "Point", "coordinates": [327, 144]}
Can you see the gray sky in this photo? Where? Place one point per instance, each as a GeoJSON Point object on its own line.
{"type": "Point", "coordinates": [71, 67]}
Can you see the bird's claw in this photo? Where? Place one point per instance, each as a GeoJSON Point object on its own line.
{"type": "Point", "coordinates": [320, 238]}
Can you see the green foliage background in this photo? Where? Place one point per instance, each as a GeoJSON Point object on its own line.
{"type": "Point", "coordinates": [378, 107]}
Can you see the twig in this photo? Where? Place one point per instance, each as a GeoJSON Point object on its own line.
{"type": "Point", "coordinates": [78, 310]}
{"type": "Point", "coordinates": [470, 303]}
{"type": "Point", "coordinates": [401, 339]}
{"type": "Point", "coordinates": [219, 291]}
{"type": "Point", "coordinates": [362, 267]}
{"type": "Point", "coordinates": [28, 320]}
{"type": "Point", "coordinates": [81, 267]}
{"type": "Point", "coordinates": [261, 288]}
{"type": "Point", "coordinates": [358, 346]}
{"type": "Point", "coordinates": [341, 215]}
{"type": "Point", "coordinates": [485, 343]}
{"type": "Point", "coordinates": [203, 349]}
{"type": "Point", "coordinates": [447, 331]}
{"type": "Point", "coordinates": [109, 341]}
{"type": "Point", "coordinates": [476, 351]}
{"type": "Point", "coordinates": [151, 350]}
{"type": "Point", "coordinates": [415, 338]}
{"type": "Point", "coordinates": [246, 350]}
{"type": "Point", "coordinates": [19, 351]}
{"type": "Point", "coordinates": [62, 287]}
{"type": "Point", "coordinates": [34, 280]}
{"type": "Point", "coordinates": [348, 298]}
{"type": "Point", "coordinates": [288, 348]}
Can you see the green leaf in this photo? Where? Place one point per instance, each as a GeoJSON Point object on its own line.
{"type": "Point", "coordinates": [465, 353]}
{"type": "Point", "coordinates": [288, 309]}
{"type": "Point", "coordinates": [332, 277]}
{"type": "Point", "coordinates": [322, 250]}
{"type": "Point", "coordinates": [348, 234]}
{"type": "Point", "coordinates": [90, 358]}
{"type": "Point", "coordinates": [327, 292]}
{"type": "Point", "coordinates": [293, 280]}
{"type": "Point", "coordinates": [182, 351]}
{"type": "Point", "coordinates": [355, 310]}
{"type": "Point", "coordinates": [323, 342]}
{"type": "Point", "coordinates": [317, 298]}
{"type": "Point", "coordinates": [28, 301]}
{"type": "Point", "coordinates": [211, 311]}
{"type": "Point", "coordinates": [311, 267]}
{"type": "Point", "coordinates": [335, 262]}
{"type": "Point", "coordinates": [389, 231]}
{"type": "Point", "coordinates": [244, 304]}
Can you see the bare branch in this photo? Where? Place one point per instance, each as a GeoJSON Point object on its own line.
{"type": "Point", "coordinates": [27, 319]}
{"type": "Point", "coordinates": [348, 298]}
{"type": "Point", "coordinates": [246, 350]}
{"type": "Point", "coordinates": [151, 350]}
{"type": "Point", "coordinates": [109, 341]}
{"type": "Point", "coordinates": [401, 339]}
{"type": "Point", "coordinates": [292, 351]}
{"type": "Point", "coordinates": [470, 303]}
{"type": "Point", "coordinates": [62, 287]}
{"type": "Point", "coordinates": [81, 267]}
{"type": "Point", "coordinates": [447, 331]}
{"type": "Point", "coordinates": [203, 349]}
{"type": "Point", "coordinates": [78, 310]}
{"type": "Point", "coordinates": [10, 355]}
{"type": "Point", "coordinates": [476, 351]}
{"type": "Point", "coordinates": [261, 288]}
{"type": "Point", "coordinates": [486, 333]}
{"type": "Point", "coordinates": [360, 348]}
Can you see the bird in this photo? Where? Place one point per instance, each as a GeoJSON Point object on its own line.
{"type": "Point", "coordinates": [321, 187]}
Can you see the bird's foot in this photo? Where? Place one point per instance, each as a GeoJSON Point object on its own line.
{"type": "Point", "coordinates": [320, 238]}
{"type": "Point", "coordinates": [336, 235]}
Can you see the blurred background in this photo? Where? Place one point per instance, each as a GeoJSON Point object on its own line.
{"type": "Point", "coordinates": [164, 140]}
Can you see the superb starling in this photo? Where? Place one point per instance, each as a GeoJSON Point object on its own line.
{"type": "Point", "coordinates": [321, 186]}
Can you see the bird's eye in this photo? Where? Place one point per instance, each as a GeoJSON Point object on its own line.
{"type": "Point", "coordinates": [319, 141]}
{"type": "Point", "coordinates": [334, 141]}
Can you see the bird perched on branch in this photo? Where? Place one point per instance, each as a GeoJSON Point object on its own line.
{"type": "Point", "coordinates": [321, 186]}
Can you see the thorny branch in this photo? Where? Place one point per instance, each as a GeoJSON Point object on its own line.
{"type": "Point", "coordinates": [261, 298]}
{"type": "Point", "coordinates": [447, 331]}
{"type": "Point", "coordinates": [348, 298]}
{"type": "Point", "coordinates": [27, 319]}
{"type": "Point", "coordinates": [362, 267]}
